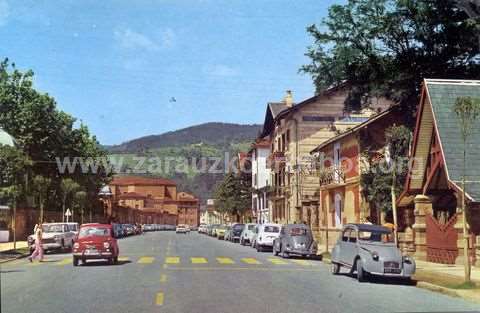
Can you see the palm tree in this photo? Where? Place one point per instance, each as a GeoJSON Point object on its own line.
{"type": "Point", "coordinates": [467, 110]}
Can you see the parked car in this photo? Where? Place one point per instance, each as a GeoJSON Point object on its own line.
{"type": "Point", "coordinates": [94, 242]}
{"type": "Point", "coordinates": [370, 250]}
{"type": "Point", "coordinates": [236, 232]}
{"type": "Point", "coordinates": [267, 233]}
{"type": "Point", "coordinates": [295, 239]}
{"type": "Point", "coordinates": [181, 228]}
{"type": "Point", "coordinates": [202, 229]}
{"type": "Point", "coordinates": [73, 227]}
{"type": "Point", "coordinates": [117, 230]}
{"type": "Point", "coordinates": [254, 236]}
{"type": "Point", "coordinates": [247, 234]}
{"type": "Point", "coordinates": [56, 236]}
{"type": "Point", "coordinates": [228, 233]}
{"type": "Point", "coordinates": [220, 232]}
{"type": "Point", "coordinates": [213, 231]}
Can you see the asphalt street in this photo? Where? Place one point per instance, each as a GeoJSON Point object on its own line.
{"type": "Point", "coordinates": [193, 273]}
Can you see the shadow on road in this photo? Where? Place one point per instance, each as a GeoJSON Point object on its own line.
{"type": "Point", "coordinates": [105, 263]}
{"type": "Point", "coordinates": [373, 279]}
{"type": "Point", "coordinates": [11, 271]}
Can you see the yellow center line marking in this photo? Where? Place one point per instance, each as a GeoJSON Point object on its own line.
{"type": "Point", "coordinates": [159, 298]}
{"type": "Point", "coordinates": [123, 258]}
{"type": "Point", "coordinates": [163, 278]}
{"type": "Point", "coordinates": [302, 262]}
{"type": "Point", "coordinates": [277, 261]}
{"type": "Point", "coordinates": [64, 261]}
{"type": "Point", "coordinates": [250, 261]}
{"type": "Point", "coordinates": [225, 261]}
{"type": "Point", "coordinates": [199, 260]}
{"type": "Point", "coordinates": [172, 260]}
{"type": "Point", "coordinates": [146, 260]}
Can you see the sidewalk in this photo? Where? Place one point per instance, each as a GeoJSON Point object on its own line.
{"type": "Point", "coordinates": [456, 271]}
{"type": "Point", "coordinates": [6, 246]}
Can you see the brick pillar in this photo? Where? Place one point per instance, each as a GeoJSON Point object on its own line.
{"type": "Point", "coordinates": [423, 205]}
{"type": "Point", "coordinates": [460, 239]}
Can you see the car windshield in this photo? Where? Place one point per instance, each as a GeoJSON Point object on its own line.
{"type": "Point", "coordinates": [52, 228]}
{"type": "Point", "coordinates": [376, 236]}
{"type": "Point", "coordinates": [272, 229]}
{"type": "Point", "coordinates": [93, 231]}
{"type": "Point", "coordinates": [251, 227]}
{"type": "Point", "coordinates": [298, 231]}
{"type": "Point", "coordinates": [238, 227]}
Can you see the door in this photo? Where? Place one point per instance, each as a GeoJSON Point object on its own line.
{"type": "Point", "coordinates": [346, 246]}
{"type": "Point", "coordinates": [338, 210]}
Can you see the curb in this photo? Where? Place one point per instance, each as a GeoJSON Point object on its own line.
{"type": "Point", "coordinates": [437, 288]}
{"type": "Point", "coordinates": [21, 256]}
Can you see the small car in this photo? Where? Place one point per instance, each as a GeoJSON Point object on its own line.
{"type": "Point", "coordinates": [236, 232]}
{"type": "Point", "coordinates": [213, 231]}
{"type": "Point", "coordinates": [94, 242]}
{"type": "Point", "coordinates": [228, 233]}
{"type": "Point", "coordinates": [247, 234]}
{"type": "Point", "coordinates": [220, 232]}
{"type": "Point", "coordinates": [370, 250]}
{"type": "Point", "coordinates": [181, 229]}
{"type": "Point", "coordinates": [295, 239]}
{"type": "Point", "coordinates": [267, 233]}
{"type": "Point", "coordinates": [56, 236]}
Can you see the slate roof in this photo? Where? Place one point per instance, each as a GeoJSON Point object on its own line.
{"type": "Point", "coordinates": [277, 107]}
{"type": "Point", "coordinates": [443, 95]}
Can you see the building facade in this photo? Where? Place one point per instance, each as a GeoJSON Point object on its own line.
{"type": "Point", "coordinates": [259, 153]}
{"type": "Point", "coordinates": [188, 209]}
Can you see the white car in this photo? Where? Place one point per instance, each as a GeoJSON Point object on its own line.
{"type": "Point", "coordinates": [56, 236]}
{"type": "Point", "coordinates": [181, 229]}
{"type": "Point", "coordinates": [247, 234]}
{"type": "Point", "coordinates": [265, 235]}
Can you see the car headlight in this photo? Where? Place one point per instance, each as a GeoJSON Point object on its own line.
{"type": "Point", "coordinates": [407, 259]}
{"type": "Point", "coordinates": [106, 245]}
{"type": "Point", "coordinates": [76, 245]}
{"type": "Point", "coordinates": [375, 256]}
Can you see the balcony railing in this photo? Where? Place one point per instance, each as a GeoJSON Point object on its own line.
{"type": "Point", "coordinates": [332, 175]}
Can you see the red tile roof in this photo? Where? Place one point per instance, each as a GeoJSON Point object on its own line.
{"type": "Point", "coordinates": [139, 180]}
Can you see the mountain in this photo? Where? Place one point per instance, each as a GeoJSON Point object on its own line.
{"type": "Point", "coordinates": [187, 156]}
{"type": "Point", "coordinates": [215, 134]}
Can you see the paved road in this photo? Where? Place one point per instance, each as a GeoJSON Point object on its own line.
{"type": "Point", "coordinates": [166, 272]}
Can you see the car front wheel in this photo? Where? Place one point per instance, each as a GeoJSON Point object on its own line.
{"type": "Point", "coordinates": [335, 268]}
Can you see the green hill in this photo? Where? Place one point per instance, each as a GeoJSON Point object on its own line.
{"type": "Point", "coordinates": [195, 157]}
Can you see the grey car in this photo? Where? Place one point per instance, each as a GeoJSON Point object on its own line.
{"type": "Point", "coordinates": [370, 249]}
{"type": "Point", "coordinates": [295, 239]}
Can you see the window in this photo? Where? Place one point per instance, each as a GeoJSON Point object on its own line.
{"type": "Point", "coordinates": [346, 234]}
{"type": "Point", "coordinates": [288, 137]}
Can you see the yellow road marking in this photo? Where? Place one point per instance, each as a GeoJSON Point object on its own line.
{"type": "Point", "coordinates": [34, 263]}
{"type": "Point", "coordinates": [225, 261]}
{"type": "Point", "coordinates": [302, 262]}
{"type": "Point", "coordinates": [250, 261]}
{"type": "Point", "coordinates": [172, 260]}
{"type": "Point", "coordinates": [163, 278]}
{"type": "Point", "coordinates": [277, 261]}
{"type": "Point", "coordinates": [159, 298]}
{"type": "Point", "coordinates": [146, 260]}
{"type": "Point", "coordinates": [123, 258]}
{"type": "Point", "coordinates": [199, 260]}
{"type": "Point", "coordinates": [64, 261]}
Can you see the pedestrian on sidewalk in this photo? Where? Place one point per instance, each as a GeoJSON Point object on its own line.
{"type": "Point", "coordinates": [38, 252]}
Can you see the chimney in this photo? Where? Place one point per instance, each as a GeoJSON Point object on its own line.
{"type": "Point", "coordinates": [288, 99]}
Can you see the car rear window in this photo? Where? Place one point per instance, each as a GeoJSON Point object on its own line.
{"type": "Point", "coordinates": [52, 228]}
{"type": "Point", "coordinates": [297, 231]}
{"type": "Point", "coordinates": [239, 226]}
{"type": "Point", "coordinates": [272, 229]}
{"type": "Point", "coordinates": [93, 231]}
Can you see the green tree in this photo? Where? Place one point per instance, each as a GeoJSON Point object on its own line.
{"type": "Point", "coordinates": [467, 110]}
{"type": "Point", "coordinates": [41, 187]}
{"type": "Point", "coordinates": [68, 187]}
{"type": "Point", "coordinates": [232, 195]}
{"type": "Point", "coordinates": [387, 47]}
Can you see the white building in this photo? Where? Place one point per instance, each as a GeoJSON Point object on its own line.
{"type": "Point", "coordinates": [210, 215]}
{"type": "Point", "coordinates": [260, 152]}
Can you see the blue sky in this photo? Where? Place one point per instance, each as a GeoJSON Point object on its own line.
{"type": "Point", "coordinates": [115, 65]}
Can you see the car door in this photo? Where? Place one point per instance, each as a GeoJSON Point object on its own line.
{"type": "Point", "coordinates": [351, 251]}
{"type": "Point", "coordinates": [345, 247]}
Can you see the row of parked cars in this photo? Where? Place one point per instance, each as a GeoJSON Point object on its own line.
{"type": "Point", "coordinates": [286, 240]}
{"type": "Point", "coordinates": [361, 249]}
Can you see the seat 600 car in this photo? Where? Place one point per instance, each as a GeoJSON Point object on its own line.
{"type": "Point", "coordinates": [370, 249]}
{"type": "Point", "coordinates": [95, 241]}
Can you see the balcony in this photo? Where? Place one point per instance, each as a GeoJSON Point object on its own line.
{"type": "Point", "coordinates": [276, 159]}
{"type": "Point", "coordinates": [277, 192]}
{"type": "Point", "coordinates": [332, 175]}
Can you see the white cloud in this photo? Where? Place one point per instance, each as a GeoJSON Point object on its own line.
{"type": "Point", "coordinates": [221, 70]}
{"type": "Point", "coordinates": [130, 39]}
{"type": "Point", "coordinates": [4, 12]}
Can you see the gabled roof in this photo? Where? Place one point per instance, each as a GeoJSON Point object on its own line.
{"type": "Point", "coordinates": [442, 95]}
{"type": "Point", "coordinates": [391, 110]}
{"type": "Point", "coordinates": [273, 110]}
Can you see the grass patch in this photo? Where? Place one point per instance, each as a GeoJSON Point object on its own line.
{"type": "Point", "coordinates": [444, 280]}
{"type": "Point", "coordinates": [465, 286]}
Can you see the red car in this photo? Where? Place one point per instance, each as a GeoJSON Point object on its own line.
{"type": "Point", "coordinates": [95, 241]}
